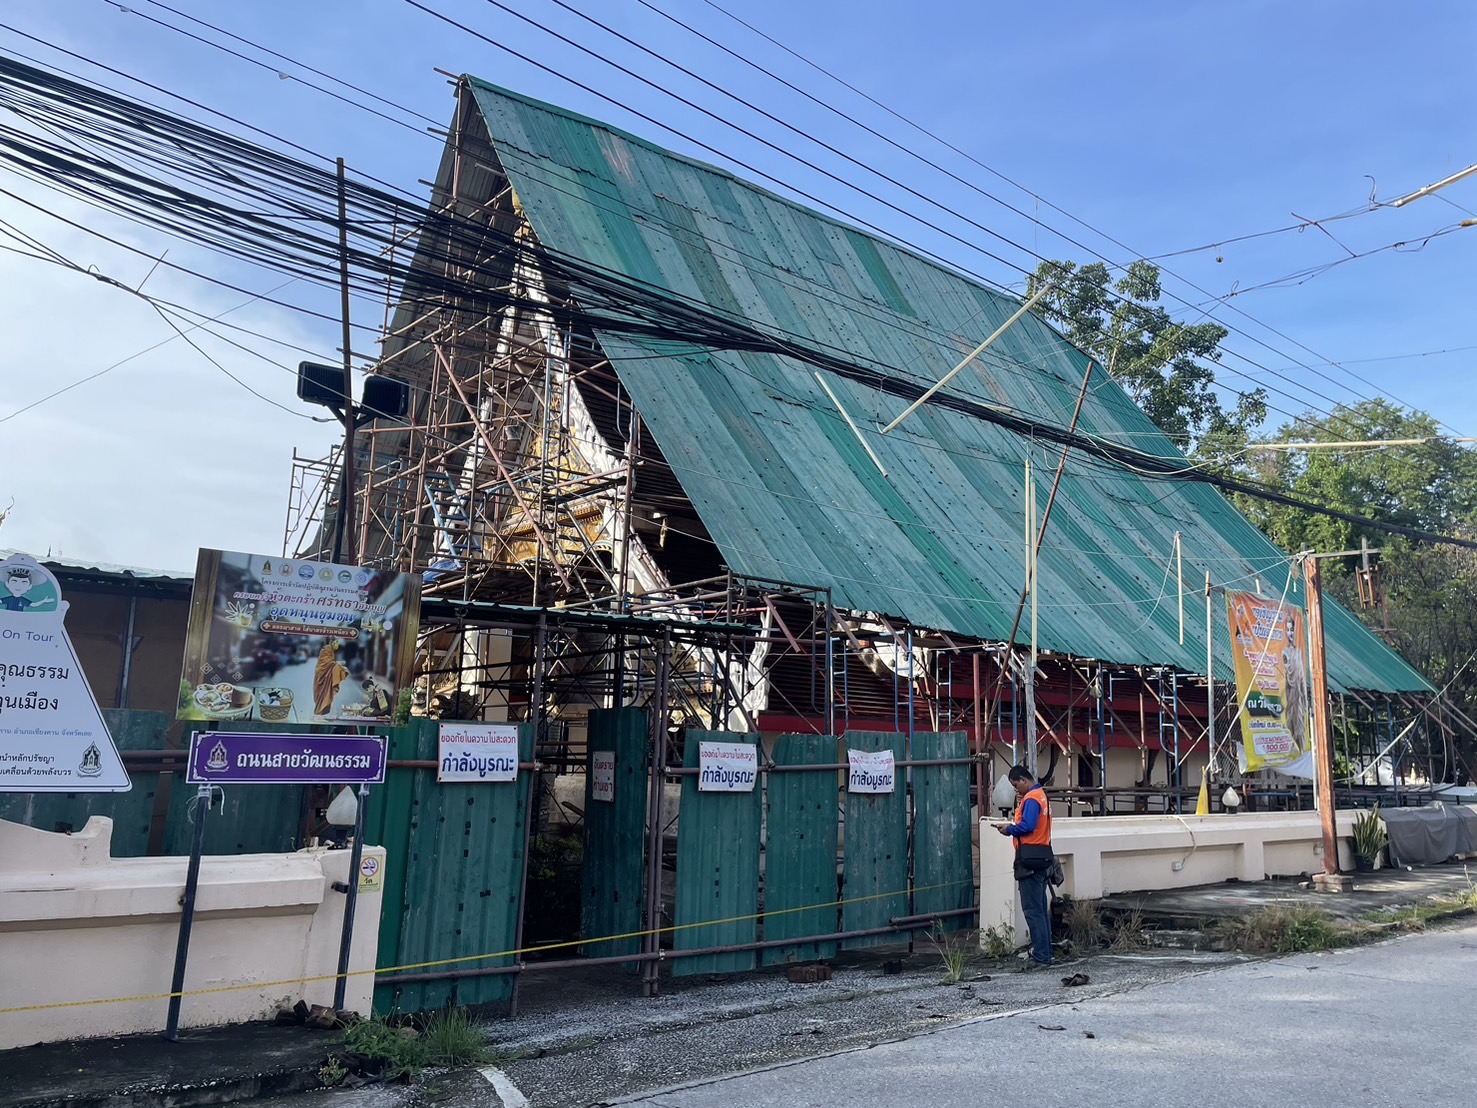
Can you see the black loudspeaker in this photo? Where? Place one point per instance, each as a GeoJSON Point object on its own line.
{"type": "Point", "coordinates": [385, 398]}
{"type": "Point", "coordinates": [321, 384]}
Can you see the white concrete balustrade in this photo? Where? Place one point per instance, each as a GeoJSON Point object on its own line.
{"type": "Point", "coordinates": [1120, 854]}
{"type": "Point", "coordinates": [78, 925]}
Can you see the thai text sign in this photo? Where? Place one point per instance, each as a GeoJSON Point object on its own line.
{"type": "Point", "coordinates": [870, 772]}
{"type": "Point", "coordinates": [226, 758]}
{"type": "Point", "coordinates": [602, 776]}
{"type": "Point", "coordinates": [477, 752]}
{"type": "Point", "coordinates": [727, 767]}
{"type": "Point", "coordinates": [52, 735]}
{"type": "Point", "coordinates": [1271, 679]}
{"type": "Point", "coordinates": [282, 640]}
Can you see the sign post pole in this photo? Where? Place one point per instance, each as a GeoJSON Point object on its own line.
{"type": "Point", "coordinates": [351, 901]}
{"type": "Point", "coordinates": [187, 913]}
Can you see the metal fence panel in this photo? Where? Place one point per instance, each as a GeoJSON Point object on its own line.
{"type": "Point", "coordinates": [454, 874]}
{"type": "Point", "coordinates": [246, 819]}
{"type": "Point", "coordinates": [802, 834]}
{"type": "Point", "coordinates": [717, 867]}
{"type": "Point", "coordinates": [875, 869]}
{"type": "Point", "coordinates": [615, 834]}
{"type": "Point", "coordinates": [132, 812]}
{"type": "Point", "coordinates": [943, 857]}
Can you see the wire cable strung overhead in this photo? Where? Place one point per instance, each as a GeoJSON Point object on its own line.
{"type": "Point", "coordinates": [284, 219]}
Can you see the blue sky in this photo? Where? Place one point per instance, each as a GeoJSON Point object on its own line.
{"type": "Point", "coordinates": [1162, 127]}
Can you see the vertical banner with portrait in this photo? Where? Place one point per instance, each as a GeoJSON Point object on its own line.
{"type": "Point", "coordinates": [284, 640]}
{"type": "Point", "coordinates": [1267, 638]}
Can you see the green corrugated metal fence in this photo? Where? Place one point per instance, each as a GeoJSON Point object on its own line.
{"type": "Point", "coordinates": [132, 812]}
{"type": "Point", "coordinates": [943, 855]}
{"type": "Point", "coordinates": [453, 884]}
{"type": "Point", "coordinates": [801, 837]}
{"type": "Point", "coordinates": [717, 867]}
{"type": "Point", "coordinates": [615, 833]}
{"type": "Point", "coordinates": [875, 868]}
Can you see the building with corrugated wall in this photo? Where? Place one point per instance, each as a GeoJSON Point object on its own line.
{"type": "Point", "coordinates": [644, 386]}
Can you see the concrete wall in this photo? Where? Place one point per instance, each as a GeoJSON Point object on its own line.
{"type": "Point", "coordinates": [77, 924]}
{"type": "Point", "coordinates": [1136, 853]}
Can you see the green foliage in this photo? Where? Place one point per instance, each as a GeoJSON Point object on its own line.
{"type": "Point", "coordinates": [1367, 836]}
{"type": "Point", "coordinates": [1430, 590]}
{"type": "Point", "coordinates": [997, 942]}
{"type": "Point", "coordinates": [953, 954]}
{"type": "Point", "coordinates": [449, 1038]}
{"type": "Point", "coordinates": [403, 705]}
{"type": "Point", "coordinates": [1166, 366]}
{"type": "Point", "coordinates": [1282, 930]}
{"type": "Point", "coordinates": [396, 1053]}
{"type": "Point", "coordinates": [331, 1073]}
{"type": "Point", "coordinates": [452, 1039]}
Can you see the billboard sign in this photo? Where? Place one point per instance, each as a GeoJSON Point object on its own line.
{"type": "Point", "coordinates": [1267, 639]}
{"type": "Point", "coordinates": [283, 640]}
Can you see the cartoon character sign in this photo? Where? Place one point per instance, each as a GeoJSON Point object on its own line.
{"type": "Point", "coordinates": [29, 587]}
{"type": "Point", "coordinates": [52, 735]}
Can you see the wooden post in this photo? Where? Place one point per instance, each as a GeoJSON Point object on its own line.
{"type": "Point", "coordinates": [1329, 880]}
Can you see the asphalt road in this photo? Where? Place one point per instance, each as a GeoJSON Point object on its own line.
{"type": "Point", "coordinates": [1380, 1025]}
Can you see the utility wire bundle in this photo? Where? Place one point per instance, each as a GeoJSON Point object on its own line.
{"type": "Point", "coordinates": [278, 212]}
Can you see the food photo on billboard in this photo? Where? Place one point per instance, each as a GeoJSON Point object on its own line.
{"type": "Point", "coordinates": [293, 641]}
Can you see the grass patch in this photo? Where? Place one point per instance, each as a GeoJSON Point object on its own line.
{"type": "Point", "coordinates": [1128, 933]}
{"type": "Point", "coordinates": [1085, 926]}
{"type": "Point", "coordinates": [953, 953]}
{"type": "Point", "coordinates": [452, 1039]}
{"type": "Point", "coordinates": [391, 1051]}
{"type": "Point", "coordinates": [1284, 930]}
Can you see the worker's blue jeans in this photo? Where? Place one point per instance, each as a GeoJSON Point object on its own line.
{"type": "Point", "coordinates": [1038, 915]}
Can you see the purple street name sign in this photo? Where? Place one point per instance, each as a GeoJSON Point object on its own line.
{"type": "Point", "coordinates": [226, 758]}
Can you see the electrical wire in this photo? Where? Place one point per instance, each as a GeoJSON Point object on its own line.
{"type": "Point", "coordinates": [623, 306]}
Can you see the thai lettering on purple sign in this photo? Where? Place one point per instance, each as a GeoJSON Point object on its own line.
{"type": "Point", "coordinates": [227, 758]}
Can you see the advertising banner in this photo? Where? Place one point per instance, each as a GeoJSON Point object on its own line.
{"type": "Point", "coordinates": [474, 752]}
{"type": "Point", "coordinates": [1271, 679]}
{"type": "Point", "coordinates": [52, 735]}
{"type": "Point", "coordinates": [282, 640]}
{"type": "Point", "coordinates": [727, 767]}
{"type": "Point", "coordinates": [870, 773]}
{"type": "Point", "coordinates": [229, 758]}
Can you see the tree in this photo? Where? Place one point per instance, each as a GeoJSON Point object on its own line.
{"type": "Point", "coordinates": [1165, 366]}
{"type": "Point", "coordinates": [1430, 589]}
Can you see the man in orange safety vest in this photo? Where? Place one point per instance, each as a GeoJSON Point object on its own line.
{"type": "Point", "coordinates": [1031, 830]}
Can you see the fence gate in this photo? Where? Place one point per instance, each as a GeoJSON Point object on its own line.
{"type": "Point", "coordinates": [453, 879]}
{"type": "Point", "coordinates": [943, 850]}
{"type": "Point", "coordinates": [717, 867]}
{"type": "Point", "coordinates": [800, 879]}
{"type": "Point", "coordinates": [875, 869]}
{"type": "Point", "coordinates": [615, 830]}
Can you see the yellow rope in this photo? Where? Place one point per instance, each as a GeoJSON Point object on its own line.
{"type": "Point", "coordinates": [475, 957]}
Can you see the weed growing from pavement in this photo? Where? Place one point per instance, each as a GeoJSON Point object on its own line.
{"type": "Point", "coordinates": [449, 1038]}
{"type": "Point", "coordinates": [452, 1039]}
{"type": "Point", "coordinates": [1283, 930]}
{"type": "Point", "coordinates": [1085, 924]}
{"type": "Point", "coordinates": [953, 953]}
{"type": "Point", "coordinates": [394, 1051]}
{"type": "Point", "coordinates": [997, 942]}
{"type": "Point", "coordinates": [1128, 932]}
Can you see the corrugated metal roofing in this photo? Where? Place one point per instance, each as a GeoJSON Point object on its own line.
{"type": "Point", "coordinates": [789, 494]}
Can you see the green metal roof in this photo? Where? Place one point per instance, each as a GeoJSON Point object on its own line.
{"type": "Point", "coordinates": [785, 488]}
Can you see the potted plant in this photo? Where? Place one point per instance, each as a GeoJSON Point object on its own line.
{"type": "Point", "coordinates": [1368, 838]}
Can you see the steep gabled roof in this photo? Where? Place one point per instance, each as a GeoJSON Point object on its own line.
{"type": "Point", "coordinates": [785, 488]}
